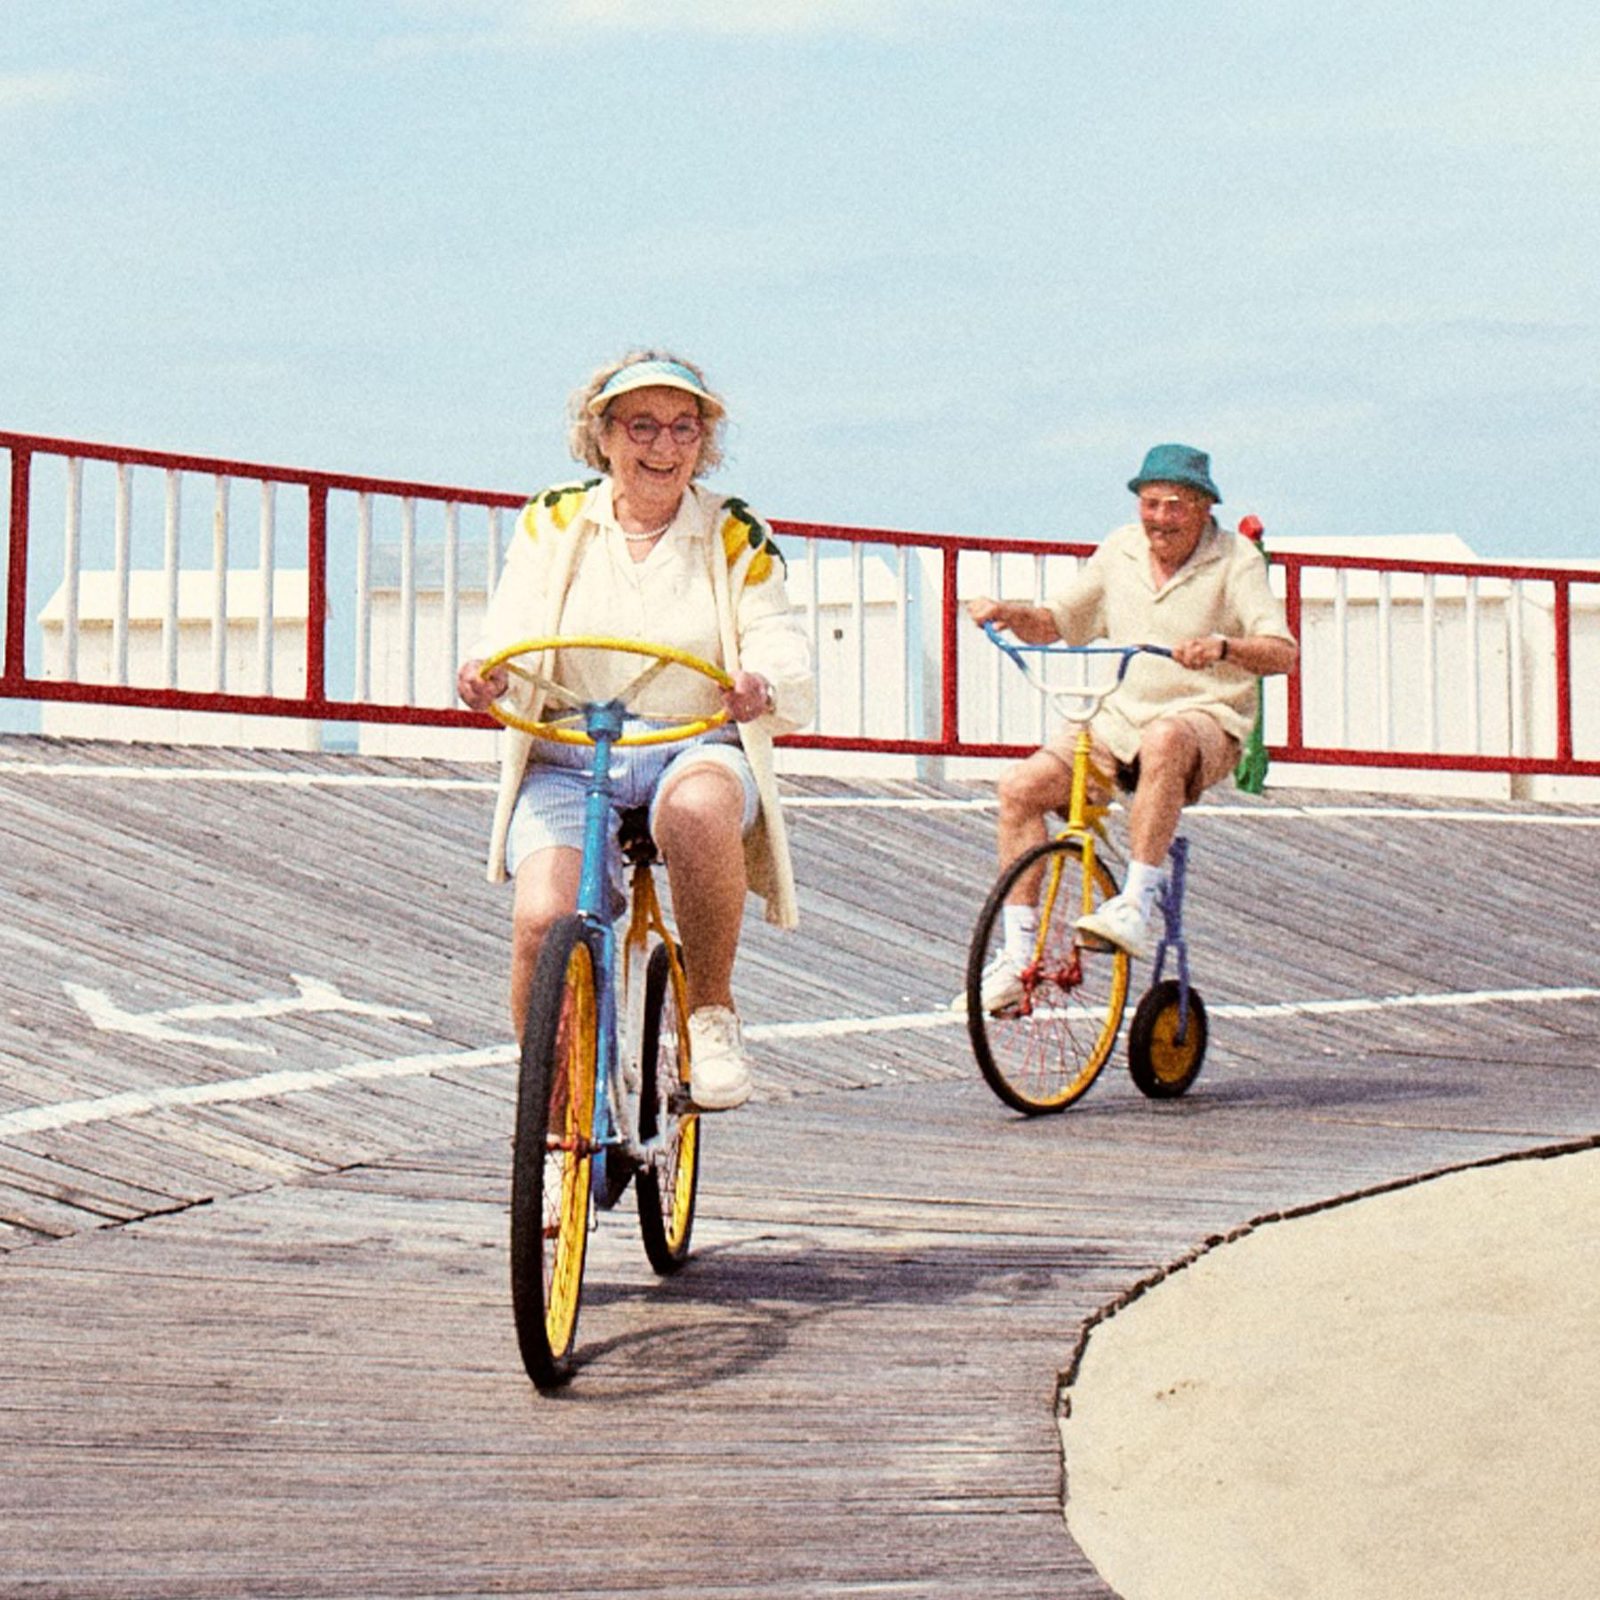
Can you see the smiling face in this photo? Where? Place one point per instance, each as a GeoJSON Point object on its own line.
{"type": "Point", "coordinates": [1174, 516]}
{"type": "Point", "coordinates": [649, 474]}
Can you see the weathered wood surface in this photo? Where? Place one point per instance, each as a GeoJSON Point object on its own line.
{"type": "Point", "coordinates": [261, 1346]}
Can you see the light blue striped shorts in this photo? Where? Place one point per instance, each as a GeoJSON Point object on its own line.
{"type": "Point", "coordinates": [549, 809]}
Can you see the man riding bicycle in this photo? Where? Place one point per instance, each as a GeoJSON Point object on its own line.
{"type": "Point", "coordinates": [1172, 728]}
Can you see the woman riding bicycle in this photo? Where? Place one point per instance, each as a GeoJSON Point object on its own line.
{"type": "Point", "coordinates": [644, 551]}
{"type": "Point", "coordinates": [1173, 578]}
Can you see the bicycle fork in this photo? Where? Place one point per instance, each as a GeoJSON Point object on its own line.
{"type": "Point", "coordinates": [1170, 900]}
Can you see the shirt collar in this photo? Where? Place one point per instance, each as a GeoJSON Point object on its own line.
{"type": "Point", "coordinates": [692, 521]}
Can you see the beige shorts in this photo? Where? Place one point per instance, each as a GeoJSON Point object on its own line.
{"type": "Point", "coordinates": [1219, 755]}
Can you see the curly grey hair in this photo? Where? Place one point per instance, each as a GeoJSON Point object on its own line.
{"type": "Point", "coordinates": [586, 430]}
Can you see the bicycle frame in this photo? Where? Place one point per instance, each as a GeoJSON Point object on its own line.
{"type": "Point", "coordinates": [614, 1122]}
{"type": "Point", "coordinates": [1085, 818]}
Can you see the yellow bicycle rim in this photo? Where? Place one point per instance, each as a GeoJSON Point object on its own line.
{"type": "Point", "coordinates": [565, 1253]}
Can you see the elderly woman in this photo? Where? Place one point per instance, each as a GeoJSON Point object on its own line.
{"type": "Point", "coordinates": [645, 551]}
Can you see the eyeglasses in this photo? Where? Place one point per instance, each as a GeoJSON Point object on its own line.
{"type": "Point", "coordinates": [645, 430]}
{"type": "Point", "coordinates": [1152, 503]}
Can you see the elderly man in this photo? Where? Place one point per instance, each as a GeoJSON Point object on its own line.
{"type": "Point", "coordinates": [1173, 728]}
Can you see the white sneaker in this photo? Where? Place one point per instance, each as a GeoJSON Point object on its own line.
{"type": "Point", "coordinates": [1120, 922]}
{"type": "Point", "coordinates": [1001, 988]}
{"type": "Point", "coordinates": [719, 1076]}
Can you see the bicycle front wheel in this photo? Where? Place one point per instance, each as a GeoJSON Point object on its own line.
{"type": "Point", "coordinates": [1043, 1051]}
{"type": "Point", "coordinates": [553, 1152]}
{"type": "Point", "coordinates": [666, 1190]}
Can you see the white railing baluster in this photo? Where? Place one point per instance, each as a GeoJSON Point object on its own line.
{"type": "Point", "coordinates": [71, 565]}
{"type": "Point", "coordinates": [1474, 667]}
{"type": "Point", "coordinates": [1430, 667]}
{"type": "Point", "coordinates": [496, 546]}
{"type": "Point", "coordinates": [265, 611]}
{"type": "Point", "coordinates": [1042, 707]}
{"type": "Point", "coordinates": [1519, 712]}
{"type": "Point", "coordinates": [1341, 655]}
{"type": "Point", "coordinates": [408, 601]}
{"type": "Point", "coordinates": [122, 540]}
{"type": "Point", "coordinates": [993, 660]}
{"type": "Point", "coordinates": [1385, 663]}
{"type": "Point", "coordinates": [858, 633]}
{"type": "Point", "coordinates": [452, 598]}
{"type": "Point", "coordinates": [363, 597]}
{"type": "Point", "coordinates": [219, 588]}
{"type": "Point", "coordinates": [170, 566]}
{"type": "Point", "coordinates": [814, 628]}
{"type": "Point", "coordinates": [910, 726]}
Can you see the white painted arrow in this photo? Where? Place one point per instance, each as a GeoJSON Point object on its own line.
{"type": "Point", "coordinates": [313, 995]}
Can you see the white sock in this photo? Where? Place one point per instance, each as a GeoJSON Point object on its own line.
{"type": "Point", "coordinates": [1141, 885]}
{"type": "Point", "coordinates": [1020, 928]}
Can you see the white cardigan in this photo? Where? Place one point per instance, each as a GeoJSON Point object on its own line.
{"type": "Point", "coordinates": [758, 626]}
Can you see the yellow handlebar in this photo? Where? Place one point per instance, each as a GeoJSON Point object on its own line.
{"type": "Point", "coordinates": [665, 654]}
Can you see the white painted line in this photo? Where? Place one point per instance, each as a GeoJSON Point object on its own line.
{"type": "Point", "coordinates": [1403, 1002]}
{"type": "Point", "coordinates": [72, 1113]}
{"type": "Point", "coordinates": [843, 802]}
{"type": "Point", "coordinates": [844, 1027]}
{"type": "Point", "coordinates": [282, 780]}
{"type": "Point", "coordinates": [373, 780]}
{"type": "Point", "coordinates": [1394, 814]}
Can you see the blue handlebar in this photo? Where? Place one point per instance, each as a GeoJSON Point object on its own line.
{"type": "Point", "coordinates": [1015, 648]}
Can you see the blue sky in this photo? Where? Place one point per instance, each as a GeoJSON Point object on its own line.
{"type": "Point", "coordinates": [955, 263]}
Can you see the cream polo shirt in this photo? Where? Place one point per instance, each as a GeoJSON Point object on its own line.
{"type": "Point", "coordinates": [1222, 588]}
{"type": "Point", "coordinates": [664, 598]}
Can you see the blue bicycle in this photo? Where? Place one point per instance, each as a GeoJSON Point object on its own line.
{"type": "Point", "coordinates": [1042, 1051]}
{"type": "Point", "coordinates": [603, 1088]}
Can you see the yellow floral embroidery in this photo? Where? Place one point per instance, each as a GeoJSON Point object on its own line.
{"type": "Point", "coordinates": [563, 500]}
{"type": "Point", "coordinates": [743, 530]}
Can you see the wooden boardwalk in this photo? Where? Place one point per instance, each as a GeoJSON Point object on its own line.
{"type": "Point", "coordinates": [254, 1100]}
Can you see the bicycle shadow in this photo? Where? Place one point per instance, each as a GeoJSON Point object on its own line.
{"type": "Point", "coordinates": [740, 1305]}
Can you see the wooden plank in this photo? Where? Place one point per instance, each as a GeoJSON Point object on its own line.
{"type": "Point", "coordinates": [852, 1385]}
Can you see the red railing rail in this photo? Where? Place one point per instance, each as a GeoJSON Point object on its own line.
{"type": "Point", "coordinates": [947, 557]}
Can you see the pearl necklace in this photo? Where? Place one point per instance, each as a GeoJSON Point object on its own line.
{"type": "Point", "coordinates": [654, 533]}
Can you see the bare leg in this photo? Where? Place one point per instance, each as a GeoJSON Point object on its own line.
{"type": "Point", "coordinates": [1027, 793]}
{"type": "Point", "coordinates": [699, 830]}
{"type": "Point", "coordinates": [1169, 758]}
{"type": "Point", "coordinates": [546, 889]}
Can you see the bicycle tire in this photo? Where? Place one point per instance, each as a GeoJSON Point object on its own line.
{"type": "Point", "coordinates": [665, 1192]}
{"type": "Point", "coordinates": [552, 1153]}
{"type": "Point", "coordinates": [1045, 1053]}
{"type": "Point", "coordinates": [1161, 1065]}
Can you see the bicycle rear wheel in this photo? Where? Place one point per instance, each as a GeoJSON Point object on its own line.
{"type": "Point", "coordinates": [1045, 1051]}
{"type": "Point", "coordinates": [666, 1191]}
{"type": "Point", "coordinates": [552, 1153]}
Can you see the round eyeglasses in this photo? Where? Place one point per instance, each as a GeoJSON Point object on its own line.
{"type": "Point", "coordinates": [645, 430]}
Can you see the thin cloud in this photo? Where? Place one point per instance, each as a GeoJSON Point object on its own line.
{"type": "Point", "coordinates": [549, 22]}
{"type": "Point", "coordinates": [733, 18]}
{"type": "Point", "coordinates": [21, 91]}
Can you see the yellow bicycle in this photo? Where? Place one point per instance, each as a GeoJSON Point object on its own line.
{"type": "Point", "coordinates": [603, 1088]}
{"type": "Point", "coordinates": [1042, 1052]}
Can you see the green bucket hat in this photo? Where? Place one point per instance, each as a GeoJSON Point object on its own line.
{"type": "Point", "coordinates": [1177, 463]}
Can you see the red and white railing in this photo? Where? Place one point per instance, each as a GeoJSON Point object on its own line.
{"type": "Point", "coordinates": [348, 599]}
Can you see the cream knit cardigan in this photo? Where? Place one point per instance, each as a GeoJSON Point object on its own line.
{"type": "Point", "coordinates": [551, 535]}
